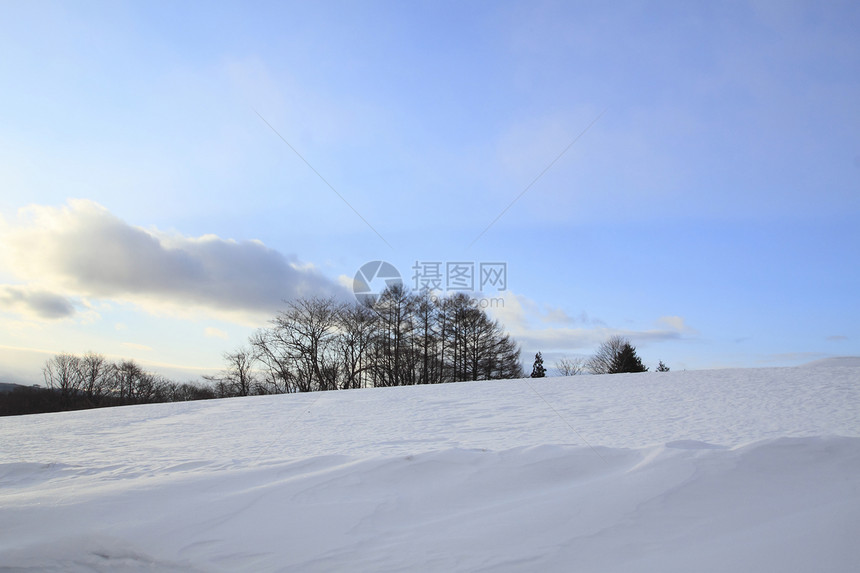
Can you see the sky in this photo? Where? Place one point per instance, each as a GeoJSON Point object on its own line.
{"type": "Point", "coordinates": [685, 174]}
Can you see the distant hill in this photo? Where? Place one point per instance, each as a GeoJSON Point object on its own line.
{"type": "Point", "coordinates": [851, 361]}
{"type": "Point", "coordinates": [8, 386]}
{"type": "Point", "coordinates": [18, 377]}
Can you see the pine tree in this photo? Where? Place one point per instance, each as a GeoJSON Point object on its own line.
{"type": "Point", "coordinates": [601, 362]}
{"type": "Point", "coordinates": [662, 367]}
{"type": "Point", "coordinates": [626, 360]}
{"type": "Point", "coordinates": [538, 371]}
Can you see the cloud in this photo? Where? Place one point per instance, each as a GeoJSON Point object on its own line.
{"type": "Point", "coordinates": [676, 323]}
{"type": "Point", "coordinates": [36, 303]}
{"type": "Point", "coordinates": [586, 339]}
{"type": "Point", "coordinates": [581, 335]}
{"type": "Point", "coordinates": [212, 332]}
{"type": "Point", "coordinates": [136, 346]}
{"type": "Point", "coordinates": [558, 316]}
{"type": "Point", "coordinates": [837, 338]}
{"type": "Point", "coordinates": [84, 250]}
{"type": "Point", "coordinates": [519, 312]}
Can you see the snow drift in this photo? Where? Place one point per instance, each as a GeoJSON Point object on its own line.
{"type": "Point", "coordinates": [740, 470]}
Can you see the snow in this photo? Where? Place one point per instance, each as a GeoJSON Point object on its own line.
{"type": "Point", "coordinates": [724, 470]}
{"type": "Point", "coordinates": [850, 361]}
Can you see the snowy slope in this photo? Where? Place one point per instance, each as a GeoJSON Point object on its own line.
{"type": "Point", "coordinates": [835, 361]}
{"type": "Point", "coordinates": [728, 470]}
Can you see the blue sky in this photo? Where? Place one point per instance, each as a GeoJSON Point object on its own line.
{"type": "Point", "coordinates": [710, 213]}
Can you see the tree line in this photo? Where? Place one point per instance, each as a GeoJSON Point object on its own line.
{"type": "Point", "coordinates": [314, 344]}
{"type": "Point", "coordinates": [78, 382]}
{"type": "Point", "coordinates": [403, 338]}
{"type": "Point", "coordinates": [616, 355]}
{"type": "Point", "coordinates": [318, 344]}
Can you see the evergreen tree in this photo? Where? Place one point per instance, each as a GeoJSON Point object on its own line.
{"type": "Point", "coordinates": [662, 367]}
{"type": "Point", "coordinates": [601, 362]}
{"type": "Point", "coordinates": [626, 360]}
{"type": "Point", "coordinates": [538, 371]}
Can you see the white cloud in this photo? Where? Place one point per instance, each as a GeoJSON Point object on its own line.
{"type": "Point", "coordinates": [345, 281]}
{"type": "Point", "coordinates": [82, 250]}
{"type": "Point", "coordinates": [527, 322]}
{"type": "Point", "coordinates": [522, 313]}
{"type": "Point", "coordinates": [676, 323]}
{"type": "Point", "coordinates": [136, 346]}
{"type": "Point", "coordinates": [212, 332]}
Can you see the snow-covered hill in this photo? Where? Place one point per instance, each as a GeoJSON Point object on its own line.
{"type": "Point", "coordinates": [726, 470]}
{"type": "Point", "coordinates": [847, 361]}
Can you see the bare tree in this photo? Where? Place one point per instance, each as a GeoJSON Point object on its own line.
{"type": "Point", "coordinates": [506, 359]}
{"type": "Point", "coordinates": [601, 361]}
{"type": "Point", "coordinates": [95, 372]}
{"type": "Point", "coordinates": [277, 374]}
{"type": "Point", "coordinates": [187, 391]}
{"type": "Point", "coordinates": [237, 378]}
{"type": "Point", "coordinates": [394, 337]}
{"type": "Point", "coordinates": [355, 326]}
{"type": "Point", "coordinates": [298, 353]}
{"type": "Point", "coordinates": [307, 328]}
{"type": "Point", "coordinates": [402, 338]}
{"type": "Point", "coordinates": [426, 316]}
{"type": "Point", "coordinates": [127, 381]}
{"type": "Point", "coordinates": [241, 370]}
{"type": "Point", "coordinates": [459, 316]}
{"type": "Point", "coordinates": [91, 381]}
{"type": "Point", "coordinates": [151, 388]}
{"type": "Point", "coordinates": [63, 373]}
{"type": "Point", "coordinates": [570, 366]}
{"type": "Point", "coordinates": [471, 346]}
{"type": "Point", "coordinates": [317, 344]}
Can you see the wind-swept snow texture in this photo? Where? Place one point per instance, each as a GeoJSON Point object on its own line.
{"type": "Point", "coordinates": [727, 470]}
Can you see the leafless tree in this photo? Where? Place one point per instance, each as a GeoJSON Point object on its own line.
{"type": "Point", "coordinates": [88, 381]}
{"type": "Point", "coordinates": [238, 377]}
{"type": "Point", "coordinates": [95, 371]}
{"type": "Point", "coordinates": [63, 372]}
{"type": "Point", "coordinates": [128, 381]}
{"type": "Point", "coordinates": [307, 329]}
{"type": "Point", "coordinates": [601, 361]}
{"type": "Point", "coordinates": [356, 325]}
{"type": "Point", "coordinates": [298, 353]}
{"type": "Point", "coordinates": [473, 347]}
{"type": "Point", "coordinates": [393, 339]}
{"type": "Point", "coordinates": [403, 338]}
{"type": "Point", "coordinates": [187, 391]}
{"type": "Point", "coordinates": [570, 366]}
{"type": "Point", "coordinates": [276, 374]}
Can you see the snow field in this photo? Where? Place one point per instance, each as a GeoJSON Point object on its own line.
{"type": "Point", "coordinates": [730, 470]}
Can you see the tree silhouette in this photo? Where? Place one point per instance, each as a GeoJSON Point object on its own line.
{"type": "Point", "coordinates": [569, 366]}
{"type": "Point", "coordinates": [538, 371]}
{"type": "Point", "coordinates": [626, 360]}
{"type": "Point", "coordinates": [601, 362]}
